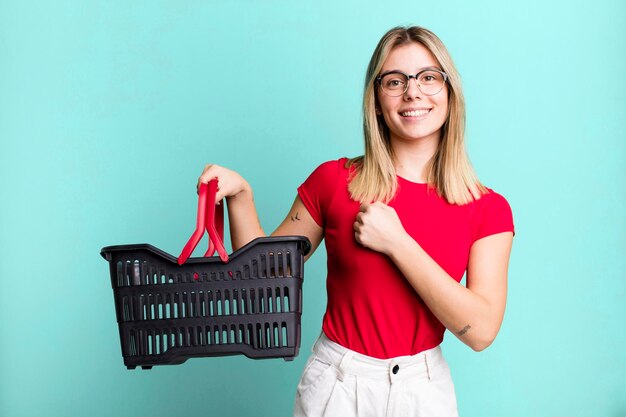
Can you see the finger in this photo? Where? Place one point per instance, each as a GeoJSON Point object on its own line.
{"type": "Point", "coordinates": [211, 171]}
{"type": "Point", "coordinates": [363, 207]}
{"type": "Point", "coordinates": [208, 176]}
{"type": "Point", "coordinates": [359, 240]}
{"type": "Point", "coordinates": [222, 193]}
{"type": "Point", "coordinates": [205, 178]}
{"type": "Point", "coordinates": [208, 167]}
{"type": "Point", "coordinates": [359, 218]}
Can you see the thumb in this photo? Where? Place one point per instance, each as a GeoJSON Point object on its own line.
{"type": "Point", "coordinates": [219, 196]}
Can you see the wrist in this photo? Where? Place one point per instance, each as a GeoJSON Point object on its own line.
{"type": "Point", "coordinates": [400, 246]}
{"type": "Point", "coordinates": [244, 194]}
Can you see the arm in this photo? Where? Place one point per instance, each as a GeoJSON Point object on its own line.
{"type": "Point", "coordinates": [473, 313]}
{"type": "Point", "coordinates": [246, 226]}
{"type": "Point", "coordinates": [244, 220]}
{"type": "Point", "coordinates": [299, 222]}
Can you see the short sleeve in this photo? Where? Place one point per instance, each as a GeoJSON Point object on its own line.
{"type": "Point", "coordinates": [492, 215]}
{"type": "Point", "coordinates": [318, 190]}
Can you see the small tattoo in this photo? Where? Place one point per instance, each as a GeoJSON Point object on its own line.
{"type": "Point", "coordinates": [464, 330]}
{"type": "Point", "coordinates": [294, 218]}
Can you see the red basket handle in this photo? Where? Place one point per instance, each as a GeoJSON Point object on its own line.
{"type": "Point", "coordinates": [208, 218]}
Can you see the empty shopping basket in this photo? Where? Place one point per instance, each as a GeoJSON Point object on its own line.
{"type": "Point", "coordinates": [172, 309]}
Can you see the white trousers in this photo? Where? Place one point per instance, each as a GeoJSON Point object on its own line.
{"type": "Point", "coordinates": [338, 382]}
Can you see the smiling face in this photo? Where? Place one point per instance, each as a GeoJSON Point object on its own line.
{"type": "Point", "coordinates": [413, 115]}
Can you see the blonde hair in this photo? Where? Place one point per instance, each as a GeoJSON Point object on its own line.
{"type": "Point", "coordinates": [450, 171]}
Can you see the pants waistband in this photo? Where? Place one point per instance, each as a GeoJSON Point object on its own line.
{"type": "Point", "coordinates": [349, 362]}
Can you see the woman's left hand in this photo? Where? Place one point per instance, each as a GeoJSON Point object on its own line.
{"type": "Point", "coordinates": [378, 227]}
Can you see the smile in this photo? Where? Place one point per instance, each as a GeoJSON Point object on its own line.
{"type": "Point", "coordinates": [415, 113]}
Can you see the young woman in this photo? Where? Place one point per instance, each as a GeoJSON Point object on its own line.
{"type": "Point", "coordinates": [402, 224]}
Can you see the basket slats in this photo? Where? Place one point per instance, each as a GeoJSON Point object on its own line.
{"type": "Point", "coordinates": [168, 313]}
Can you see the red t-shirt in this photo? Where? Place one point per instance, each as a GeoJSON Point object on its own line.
{"type": "Point", "coordinates": [372, 309]}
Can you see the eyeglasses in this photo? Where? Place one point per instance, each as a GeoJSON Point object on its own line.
{"type": "Point", "coordinates": [430, 81]}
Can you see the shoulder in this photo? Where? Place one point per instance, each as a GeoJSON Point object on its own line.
{"type": "Point", "coordinates": [330, 170]}
{"type": "Point", "coordinates": [491, 214]}
{"type": "Point", "coordinates": [333, 165]}
{"type": "Point", "coordinates": [492, 199]}
{"type": "Point", "coordinates": [318, 190]}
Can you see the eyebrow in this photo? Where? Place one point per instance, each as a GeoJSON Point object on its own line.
{"type": "Point", "coordinates": [419, 70]}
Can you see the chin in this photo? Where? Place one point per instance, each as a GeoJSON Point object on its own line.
{"type": "Point", "coordinates": [420, 135]}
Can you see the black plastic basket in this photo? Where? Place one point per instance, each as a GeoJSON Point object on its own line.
{"type": "Point", "coordinates": [169, 312]}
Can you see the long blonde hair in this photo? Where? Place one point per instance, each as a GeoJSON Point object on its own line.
{"type": "Point", "coordinates": [450, 171]}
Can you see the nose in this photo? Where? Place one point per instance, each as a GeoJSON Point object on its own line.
{"type": "Point", "coordinates": [412, 90]}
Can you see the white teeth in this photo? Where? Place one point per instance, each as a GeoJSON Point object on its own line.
{"type": "Point", "coordinates": [415, 113]}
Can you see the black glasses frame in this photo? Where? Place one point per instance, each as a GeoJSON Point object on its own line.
{"type": "Point", "coordinates": [379, 80]}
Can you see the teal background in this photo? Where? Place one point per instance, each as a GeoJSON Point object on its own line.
{"type": "Point", "coordinates": [109, 111]}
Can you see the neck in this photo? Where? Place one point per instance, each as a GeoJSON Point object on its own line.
{"type": "Point", "coordinates": [412, 157]}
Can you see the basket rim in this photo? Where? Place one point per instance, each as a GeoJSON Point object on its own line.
{"type": "Point", "coordinates": [146, 246]}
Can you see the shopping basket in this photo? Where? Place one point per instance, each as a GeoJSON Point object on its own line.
{"type": "Point", "coordinates": [170, 310]}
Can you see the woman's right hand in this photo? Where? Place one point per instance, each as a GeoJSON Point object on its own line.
{"type": "Point", "coordinates": [242, 216]}
{"type": "Point", "coordinates": [229, 183]}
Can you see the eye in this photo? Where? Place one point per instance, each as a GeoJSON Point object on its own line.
{"type": "Point", "coordinates": [430, 77]}
{"type": "Point", "coordinates": [393, 81]}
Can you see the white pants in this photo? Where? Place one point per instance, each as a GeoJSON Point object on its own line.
{"type": "Point", "coordinates": [338, 382]}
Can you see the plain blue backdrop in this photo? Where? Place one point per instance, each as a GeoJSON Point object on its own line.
{"type": "Point", "coordinates": [110, 109]}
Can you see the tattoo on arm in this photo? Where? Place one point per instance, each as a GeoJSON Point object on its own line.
{"type": "Point", "coordinates": [294, 218]}
{"type": "Point", "coordinates": [464, 330]}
